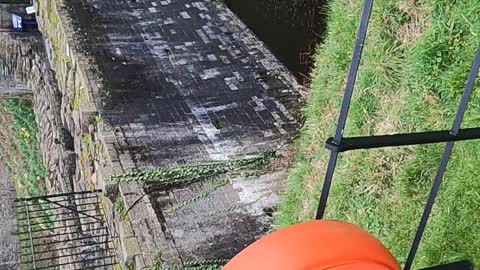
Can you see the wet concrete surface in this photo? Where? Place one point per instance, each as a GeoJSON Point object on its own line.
{"type": "Point", "coordinates": [8, 237]}
{"type": "Point", "coordinates": [185, 81]}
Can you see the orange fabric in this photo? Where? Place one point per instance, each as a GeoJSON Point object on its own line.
{"type": "Point", "coordinates": [360, 266]}
{"type": "Point", "coordinates": [317, 245]}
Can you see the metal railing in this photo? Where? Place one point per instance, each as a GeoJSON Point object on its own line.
{"type": "Point", "coordinates": [339, 143]}
{"type": "Point", "coordinates": [63, 231]}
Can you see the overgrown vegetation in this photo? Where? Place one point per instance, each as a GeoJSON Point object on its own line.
{"type": "Point", "coordinates": [416, 60]}
{"type": "Point", "coordinates": [185, 174]}
{"type": "Point", "coordinates": [19, 147]}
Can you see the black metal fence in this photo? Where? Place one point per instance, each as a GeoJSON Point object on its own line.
{"type": "Point", "coordinates": [339, 143]}
{"type": "Point", "coordinates": [64, 231]}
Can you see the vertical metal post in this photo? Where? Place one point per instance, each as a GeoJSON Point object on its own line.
{"type": "Point", "coordinates": [444, 163]}
{"type": "Point", "coordinates": [32, 249]}
{"type": "Point", "coordinates": [352, 76]}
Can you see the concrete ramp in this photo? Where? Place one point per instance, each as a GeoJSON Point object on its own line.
{"type": "Point", "coordinates": [185, 81]}
{"type": "Point", "coordinates": [165, 102]}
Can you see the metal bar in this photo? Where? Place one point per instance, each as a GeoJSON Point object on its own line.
{"type": "Point", "coordinates": [53, 215]}
{"type": "Point", "coordinates": [72, 263]}
{"type": "Point", "coordinates": [70, 240]}
{"type": "Point", "coordinates": [369, 142]}
{"type": "Point", "coordinates": [332, 163]}
{"type": "Point", "coordinates": [59, 234]}
{"type": "Point", "coordinates": [59, 195]}
{"type": "Point", "coordinates": [462, 265]}
{"type": "Point", "coordinates": [352, 74]}
{"type": "Point", "coordinates": [69, 255]}
{"type": "Point", "coordinates": [44, 216]}
{"type": "Point", "coordinates": [61, 227]}
{"type": "Point", "coordinates": [50, 209]}
{"type": "Point", "coordinates": [32, 249]}
{"type": "Point", "coordinates": [72, 209]}
{"type": "Point", "coordinates": [58, 249]}
{"type": "Point", "coordinates": [108, 231]}
{"type": "Point", "coordinates": [342, 119]}
{"type": "Point", "coordinates": [37, 203]}
{"type": "Point", "coordinates": [58, 221]}
{"type": "Point", "coordinates": [444, 163]}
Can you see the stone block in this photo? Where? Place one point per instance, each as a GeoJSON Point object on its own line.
{"type": "Point", "coordinates": [130, 249]}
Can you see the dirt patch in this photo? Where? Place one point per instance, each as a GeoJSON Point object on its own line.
{"type": "Point", "coordinates": [416, 25]}
{"type": "Point", "coordinates": [435, 112]}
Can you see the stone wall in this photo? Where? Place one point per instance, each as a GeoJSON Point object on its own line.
{"type": "Point", "coordinates": [23, 55]}
{"type": "Point", "coordinates": [13, 78]}
{"type": "Point", "coordinates": [162, 136]}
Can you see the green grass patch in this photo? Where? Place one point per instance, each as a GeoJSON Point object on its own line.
{"type": "Point", "coordinates": [120, 209]}
{"type": "Point", "coordinates": [408, 81]}
{"type": "Point", "coordinates": [19, 147]}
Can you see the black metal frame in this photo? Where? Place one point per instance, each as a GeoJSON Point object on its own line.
{"type": "Point", "coordinates": [64, 230]}
{"type": "Point", "coordinates": [338, 144]}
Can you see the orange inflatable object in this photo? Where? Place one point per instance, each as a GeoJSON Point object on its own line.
{"type": "Point", "coordinates": [316, 245]}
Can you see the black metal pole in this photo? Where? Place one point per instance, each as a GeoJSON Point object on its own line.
{"type": "Point", "coordinates": [444, 163]}
{"type": "Point", "coordinates": [342, 119]}
{"type": "Point", "coordinates": [402, 139]}
{"type": "Point", "coordinates": [96, 191]}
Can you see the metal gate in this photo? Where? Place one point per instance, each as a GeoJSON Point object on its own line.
{"type": "Point", "coordinates": [64, 231]}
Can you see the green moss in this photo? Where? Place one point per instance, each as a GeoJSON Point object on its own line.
{"type": "Point", "coordinates": [119, 207]}
{"type": "Point", "coordinates": [79, 99]}
{"type": "Point", "coordinates": [193, 173]}
{"type": "Point", "coordinates": [86, 157]}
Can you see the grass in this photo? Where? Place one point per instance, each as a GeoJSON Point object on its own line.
{"type": "Point", "coordinates": [19, 147]}
{"type": "Point", "coordinates": [416, 61]}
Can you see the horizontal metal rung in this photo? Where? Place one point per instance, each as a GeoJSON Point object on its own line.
{"type": "Point", "coordinates": [23, 212]}
{"type": "Point", "coordinates": [54, 215]}
{"type": "Point", "coordinates": [68, 240]}
{"type": "Point", "coordinates": [41, 202]}
{"type": "Point", "coordinates": [58, 195]}
{"type": "Point", "coordinates": [66, 248]}
{"type": "Point", "coordinates": [73, 263]}
{"type": "Point", "coordinates": [369, 142]}
{"type": "Point", "coordinates": [61, 227]}
{"type": "Point", "coordinates": [69, 255]}
{"type": "Point", "coordinates": [60, 234]}
{"type": "Point", "coordinates": [61, 220]}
